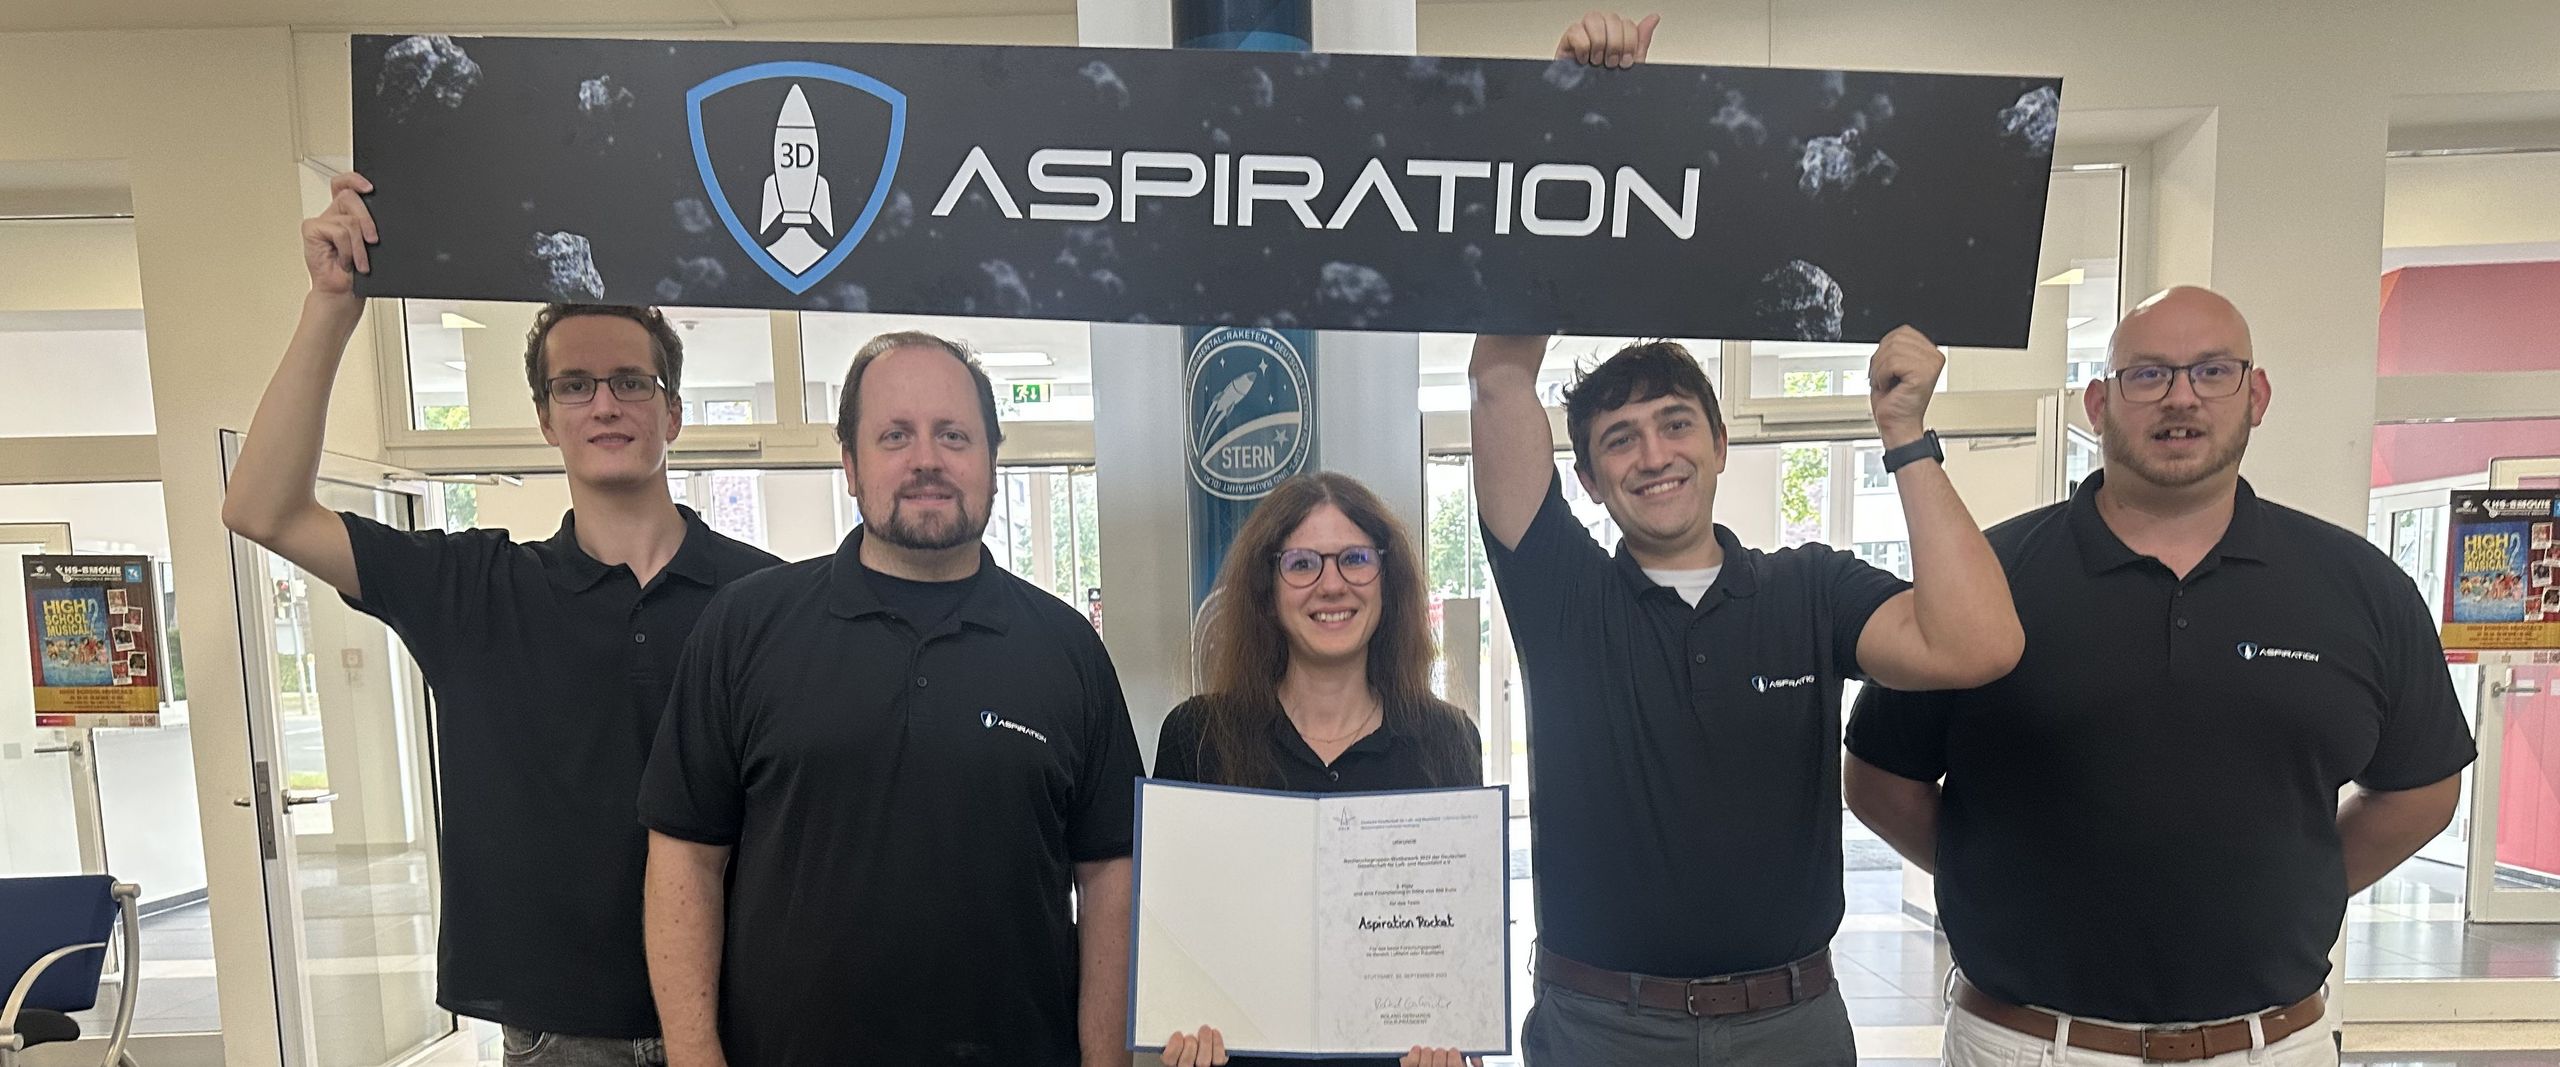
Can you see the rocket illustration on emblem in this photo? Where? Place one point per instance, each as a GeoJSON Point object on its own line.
{"type": "Point", "coordinates": [795, 194]}
{"type": "Point", "coordinates": [1224, 404]}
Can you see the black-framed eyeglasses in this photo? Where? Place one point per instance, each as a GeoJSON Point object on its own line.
{"type": "Point", "coordinates": [580, 389]}
{"type": "Point", "coordinates": [1358, 564]}
{"type": "Point", "coordinates": [2212, 379]}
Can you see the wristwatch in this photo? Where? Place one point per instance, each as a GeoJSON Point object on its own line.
{"type": "Point", "coordinates": [1926, 447]}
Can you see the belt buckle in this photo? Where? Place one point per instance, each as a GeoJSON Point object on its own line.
{"type": "Point", "coordinates": [2196, 1032]}
{"type": "Point", "coordinates": [1689, 993]}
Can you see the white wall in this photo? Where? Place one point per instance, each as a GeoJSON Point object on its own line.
{"type": "Point", "coordinates": [67, 382]}
{"type": "Point", "coordinates": [56, 265]}
{"type": "Point", "coordinates": [2432, 201]}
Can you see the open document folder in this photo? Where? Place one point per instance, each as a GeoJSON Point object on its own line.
{"type": "Point", "coordinates": [1322, 924]}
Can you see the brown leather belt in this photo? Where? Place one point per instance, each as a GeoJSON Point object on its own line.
{"type": "Point", "coordinates": [1731, 994]}
{"type": "Point", "coordinates": [2159, 1044]}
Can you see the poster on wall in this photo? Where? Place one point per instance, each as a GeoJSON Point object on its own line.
{"type": "Point", "coordinates": [1278, 191]}
{"type": "Point", "coordinates": [2503, 580]}
{"type": "Point", "coordinates": [94, 634]}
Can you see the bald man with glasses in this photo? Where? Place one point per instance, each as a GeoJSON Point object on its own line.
{"type": "Point", "coordinates": [2140, 850]}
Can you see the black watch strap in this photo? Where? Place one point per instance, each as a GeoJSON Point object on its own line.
{"type": "Point", "coordinates": [1926, 447]}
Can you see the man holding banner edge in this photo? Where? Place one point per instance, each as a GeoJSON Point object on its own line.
{"type": "Point", "coordinates": [1684, 696]}
{"type": "Point", "coordinates": [549, 660]}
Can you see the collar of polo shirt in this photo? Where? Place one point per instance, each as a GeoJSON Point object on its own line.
{"type": "Point", "coordinates": [849, 594]}
{"type": "Point", "coordinates": [1738, 578]}
{"type": "Point", "coordinates": [580, 572]}
{"type": "Point", "coordinates": [2102, 551]}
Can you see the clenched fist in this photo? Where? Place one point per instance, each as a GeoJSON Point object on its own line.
{"type": "Point", "coordinates": [1900, 380]}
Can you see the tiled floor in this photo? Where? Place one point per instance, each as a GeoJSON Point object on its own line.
{"type": "Point", "coordinates": [2411, 926]}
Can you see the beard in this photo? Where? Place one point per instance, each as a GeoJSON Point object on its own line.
{"type": "Point", "coordinates": [2123, 452]}
{"type": "Point", "coordinates": [917, 533]}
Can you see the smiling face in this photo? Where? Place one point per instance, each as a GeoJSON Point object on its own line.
{"type": "Point", "coordinates": [1331, 618]}
{"type": "Point", "coordinates": [1654, 464]}
{"type": "Point", "coordinates": [607, 442]}
{"type": "Point", "coordinates": [920, 462]}
{"type": "Point", "coordinates": [2184, 437]}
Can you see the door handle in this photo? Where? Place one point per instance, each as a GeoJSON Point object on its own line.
{"type": "Point", "coordinates": [2518, 689]}
{"type": "Point", "coordinates": [75, 748]}
{"type": "Point", "coordinates": [293, 798]}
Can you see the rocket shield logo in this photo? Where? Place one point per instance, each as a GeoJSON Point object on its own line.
{"type": "Point", "coordinates": [803, 151]}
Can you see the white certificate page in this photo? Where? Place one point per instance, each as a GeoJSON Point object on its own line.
{"type": "Point", "coordinates": [1322, 925]}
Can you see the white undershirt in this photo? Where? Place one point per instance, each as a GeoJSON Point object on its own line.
{"type": "Point", "coordinates": [1691, 585]}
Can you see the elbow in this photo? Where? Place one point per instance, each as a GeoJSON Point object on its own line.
{"type": "Point", "coordinates": [1985, 656]}
{"type": "Point", "coordinates": [2438, 814]}
{"type": "Point", "coordinates": [239, 518]}
{"type": "Point", "coordinates": [1996, 654]}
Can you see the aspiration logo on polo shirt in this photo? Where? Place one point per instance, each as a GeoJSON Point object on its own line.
{"type": "Point", "coordinates": [989, 719]}
{"type": "Point", "coordinates": [1762, 683]}
{"type": "Point", "coordinates": [2252, 650]}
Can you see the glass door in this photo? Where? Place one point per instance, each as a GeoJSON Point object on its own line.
{"type": "Point", "coordinates": [2515, 802]}
{"type": "Point", "coordinates": [342, 779]}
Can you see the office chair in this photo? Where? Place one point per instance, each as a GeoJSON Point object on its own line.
{"type": "Point", "coordinates": [53, 944]}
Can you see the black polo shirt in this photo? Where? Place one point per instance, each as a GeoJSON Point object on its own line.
{"type": "Point", "coordinates": [2139, 822]}
{"type": "Point", "coordinates": [549, 671]}
{"type": "Point", "coordinates": [1386, 759]}
{"type": "Point", "coordinates": [907, 809]}
{"type": "Point", "coordinates": [1684, 763]}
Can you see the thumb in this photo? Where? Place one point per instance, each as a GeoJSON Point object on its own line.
{"type": "Point", "coordinates": [1644, 34]}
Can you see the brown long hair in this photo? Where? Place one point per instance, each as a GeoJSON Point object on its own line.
{"type": "Point", "coordinates": [1243, 652]}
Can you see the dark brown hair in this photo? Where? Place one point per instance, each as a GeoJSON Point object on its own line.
{"type": "Point", "coordinates": [1642, 371]}
{"type": "Point", "coordinates": [1243, 652]}
{"type": "Point", "coordinates": [663, 340]}
{"type": "Point", "coordinates": [850, 404]}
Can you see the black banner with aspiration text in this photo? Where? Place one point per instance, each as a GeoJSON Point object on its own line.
{"type": "Point", "coordinates": [1285, 191]}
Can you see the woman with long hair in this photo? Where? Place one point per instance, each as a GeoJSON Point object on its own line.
{"type": "Point", "coordinates": [1315, 662]}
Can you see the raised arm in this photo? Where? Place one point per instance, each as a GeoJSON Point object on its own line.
{"type": "Point", "coordinates": [1957, 627]}
{"type": "Point", "coordinates": [1515, 449]}
{"type": "Point", "coordinates": [271, 499]}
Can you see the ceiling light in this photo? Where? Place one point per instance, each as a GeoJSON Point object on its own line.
{"type": "Point", "coordinates": [2097, 166]}
{"type": "Point", "coordinates": [455, 364]}
{"type": "Point", "coordinates": [1015, 359]}
{"type": "Point", "coordinates": [2074, 276]}
{"type": "Point", "coordinates": [458, 322]}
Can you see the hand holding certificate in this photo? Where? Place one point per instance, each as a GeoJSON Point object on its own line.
{"type": "Point", "coordinates": [1301, 925]}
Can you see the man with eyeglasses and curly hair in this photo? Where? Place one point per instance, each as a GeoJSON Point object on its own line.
{"type": "Point", "coordinates": [550, 660]}
{"type": "Point", "coordinates": [2140, 849]}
